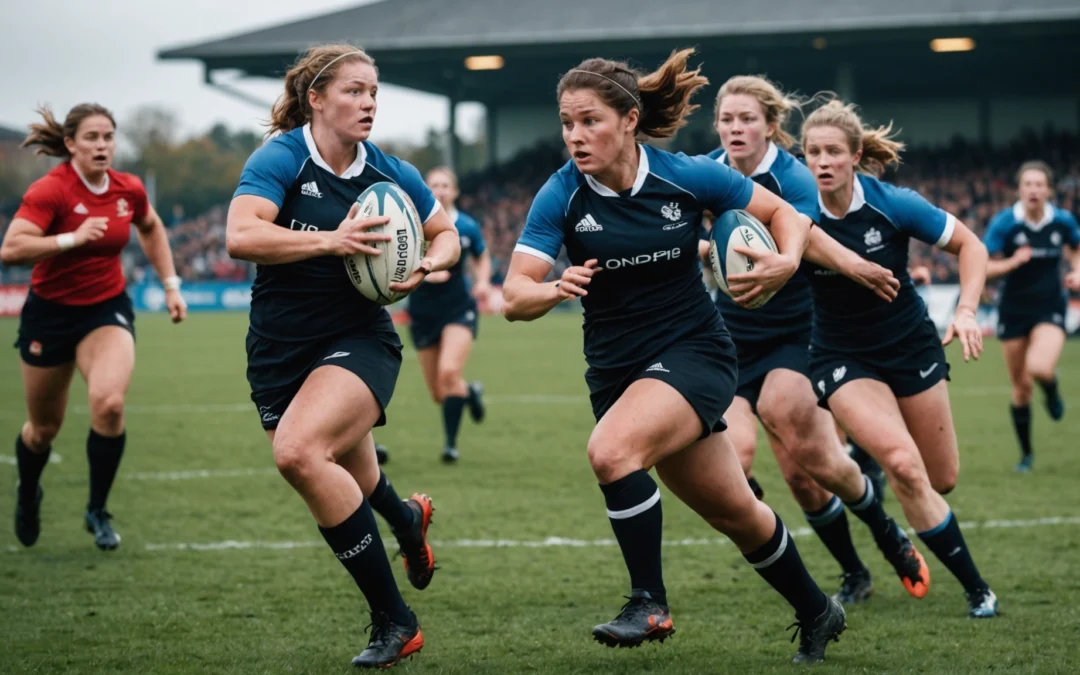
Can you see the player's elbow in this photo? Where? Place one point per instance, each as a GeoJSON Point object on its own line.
{"type": "Point", "coordinates": [235, 243]}
{"type": "Point", "coordinates": [9, 252]}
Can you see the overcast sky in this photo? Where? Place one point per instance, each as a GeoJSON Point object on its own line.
{"type": "Point", "coordinates": [65, 52]}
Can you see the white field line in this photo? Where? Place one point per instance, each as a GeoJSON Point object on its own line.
{"type": "Point", "coordinates": [563, 542]}
{"type": "Point", "coordinates": [54, 458]}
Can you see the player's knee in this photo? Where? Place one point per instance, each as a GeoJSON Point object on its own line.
{"type": "Point", "coordinates": [744, 450]}
{"type": "Point", "coordinates": [42, 435]}
{"type": "Point", "coordinates": [608, 458]}
{"type": "Point", "coordinates": [295, 461]}
{"type": "Point", "coordinates": [1022, 392]}
{"type": "Point", "coordinates": [1040, 369]}
{"type": "Point", "coordinates": [450, 383]}
{"type": "Point", "coordinates": [906, 473]}
{"type": "Point", "coordinates": [107, 411]}
{"type": "Point", "coordinates": [804, 489]}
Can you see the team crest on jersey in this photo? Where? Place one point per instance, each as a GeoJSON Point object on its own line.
{"type": "Point", "coordinates": [839, 373]}
{"type": "Point", "coordinates": [671, 211]}
{"type": "Point", "coordinates": [1020, 239]}
{"type": "Point", "coordinates": [1055, 238]}
{"type": "Point", "coordinates": [122, 207]}
{"type": "Point", "coordinates": [872, 237]}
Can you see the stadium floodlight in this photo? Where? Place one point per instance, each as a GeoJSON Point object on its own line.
{"type": "Point", "coordinates": [962, 44]}
{"type": "Point", "coordinates": [490, 62]}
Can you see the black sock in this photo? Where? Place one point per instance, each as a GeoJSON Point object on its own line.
{"type": "Point", "coordinates": [633, 507]}
{"type": "Point", "coordinates": [887, 534]}
{"type": "Point", "coordinates": [357, 544]}
{"type": "Point", "coordinates": [1021, 417]}
{"type": "Point", "coordinates": [1049, 388]}
{"type": "Point", "coordinates": [452, 408]}
{"type": "Point", "coordinates": [755, 487]}
{"type": "Point", "coordinates": [831, 525]}
{"type": "Point", "coordinates": [948, 545]}
{"type": "Point", "coordinates": [387, 504]}
{"type": "Point", "coordinates": [103, 453]}
{"type": "Point", "coordinates": [31, 464]}
{"type": "Point", "coordinates": [778, 563]}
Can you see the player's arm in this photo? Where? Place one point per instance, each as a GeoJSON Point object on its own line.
{"type": "Point", "coordinates": [481, 274]}
{"type": "Point", "coordinates": [973, 263]}
{"type": "Point", "coordinates": [155, 243]}
{"type": "Point", "coordinates": [827, 252]}
{"type": "Point", "coordinates": [252, 235]}
{"type": "Point", "coordinates": [1072, 279]}
{"type": "Point", "coordinates": [443, 251]}
{"type": "Point", "coordinates": [791, 232]}
{"type": "Point", "coordinates": [26, 243]}
{"type": "Point", "coordinates": [525, 294]}
{"type": "Point", "coordinates": [998, 265]}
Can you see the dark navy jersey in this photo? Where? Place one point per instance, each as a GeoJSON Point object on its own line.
{"type": "Point", "coordinates": [879, 226]}
{"type": "Point", "coordinates": [650, 293]}
{"type": "Point", "coordinates": [790, 310]}
{"type": "Point", "coordinates": [315, 298]}
{"type": "Point", "coordinates": [1034, 287]}
{"type": "Point", "coordinates": [451, 297]}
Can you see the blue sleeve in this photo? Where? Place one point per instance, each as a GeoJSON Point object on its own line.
{"type": "Point", "coordinates": [914, 215]}
{"type": "Point", "coordinates": [409, 179]}
{"type": "Point", "coordinates": [542, 236]}
{"type": "Point", "coordinates": [996, 232]}
{"type": "Point", "coordinates": [800, 190]}
{"type": "Point", "coordinates": [1070, 225]}
{"type": "Point", "coordinates": [467, 226]}
{"type": "Point", "coordinates": [269, 173]}
{"type": "Point", "coordinates": [717, 186]}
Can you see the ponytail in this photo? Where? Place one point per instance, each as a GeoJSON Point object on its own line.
{"type": "Point", "coordinates": [879, 147]}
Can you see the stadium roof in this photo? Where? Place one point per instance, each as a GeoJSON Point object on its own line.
{"type": "Point", "coordinates": [423, 43]}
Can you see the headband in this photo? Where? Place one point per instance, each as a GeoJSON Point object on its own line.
{"type": "Point", "coordinates": [319, 74]}
{"type": "Point", "coordinates": [589, 72]}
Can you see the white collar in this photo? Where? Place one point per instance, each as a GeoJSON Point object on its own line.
{"type": "Point", "coordinates": [94, 190]}
{"type": "Point", "coordinates": [1021, 215]}
{"type": "Point", "coordinates": [642, 174]}
{"type": "Point", "coordinates": [766, 162]}
{"type": "Point", "coordinates": [453, 213]}
{"type": "Point", "coordinates": [858, 200]}
{"type": "Point", "coordinates": [354, 170]}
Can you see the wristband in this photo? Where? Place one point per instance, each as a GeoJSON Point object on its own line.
{"type": "Point", "coordinates": [171, 283]}
{"type": "Point", "coordinates": [65, 241]}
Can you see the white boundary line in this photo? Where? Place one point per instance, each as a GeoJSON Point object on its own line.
{"type": "Point", "coordinates": [563, 542]}
{"type": "Point", "coordinates": [54, 458]}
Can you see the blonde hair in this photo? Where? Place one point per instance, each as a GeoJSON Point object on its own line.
{"type": "Point", "coordinates": [879, 147]}
{"type": "Point", "coordinates": [49, 134]}
{"type": "Point", "coordinates": [443, 170]}
{"type": "Point", "coordinates": [776, 105]}
{"type": "Point", "coordinates": [315, 69]}
{"type": "Point", "coordinates": [662, 96]}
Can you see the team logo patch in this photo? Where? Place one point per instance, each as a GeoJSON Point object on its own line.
{"type": "Point", "coordinates": [120, 317]}
{"type": "Point", "coordinates": [310, 189]}
{"type": "Point", "coordinates": [122, 207]}
{"type": "Point", "coordinates": [267, 414]}
{"type": "Point", "coordinates": [926, 373]}
{"type": "Point", "coordinates": [872, 237]}
{"type": "Point", "coordinates": [1020, 239]}
{"type": "Point", "coordinates": [1055, 238]}
{"type": "Point", "coordinates": [839, 373]}
{"type": "Point", "coordinates": [821, 385]}
{"type": "Point", "coordinates": [671, 211]}
{"type": "Point", "coordinates": [336, 355]}
{"type": "Point", "coordinates": [35, 348]}
{"type": "Point", "coordinates": [588, 224]}
{"type": "Point", "coordinates": [657, 368]}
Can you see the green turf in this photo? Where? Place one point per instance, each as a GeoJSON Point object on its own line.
{"type": "Point", "coordinates": [67, 607]}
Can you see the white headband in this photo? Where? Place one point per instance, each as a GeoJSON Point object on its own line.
{"type": "Point", "coordinates": [589, 72]}
{"type": "Point", "coordinates": [319, 74]}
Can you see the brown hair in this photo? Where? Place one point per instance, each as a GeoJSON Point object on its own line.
{"type": "Point", "coordinates": [49, 134]}
{"type": "Point", "coordinates": [315, 69]}
{"type": "Point", "coordinates": [1036, 165]}
{"type": "Point", "coordinates": [446, 170]}
{"type": "Point", "coordinates": [776, 105]}
{"type": "Point", "coordinates": [662, 97]}
{"type": "Point", "coordinates": [879, 148]}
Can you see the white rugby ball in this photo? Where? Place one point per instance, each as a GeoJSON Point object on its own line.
{"type": "Point", "coordinates": [399, 257]}
{"type": "Point", "coordinates": [732, 229]}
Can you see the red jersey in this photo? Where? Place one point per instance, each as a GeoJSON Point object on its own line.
{"type": "Point", "coordinates": [59, 202]}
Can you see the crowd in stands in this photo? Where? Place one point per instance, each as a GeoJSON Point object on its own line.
{"type": "Point", "coordinates": [969, 180]}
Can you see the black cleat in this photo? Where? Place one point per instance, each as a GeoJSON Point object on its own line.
{"type": "Point", "coordinates": [28, 518]}
{"type": "Point", "coordinates": [856, 587]}
{"type": "Point", "coordinates": [641, 620]}
{"type": "Point", "coordinates": [476, 401]}
{"type": "Point", "coordinates": [815, 636]}
{"type": "Point", "coordinates": [1055, 407]}
{"type": "Point", "coordinates": [982, 604]}
{"type": "Point", "coordinates": [419, 560]}
{"type": "Point", "coordinates": [382, 454]}
{"type": "Point", "coordinates": [450, 456]}
{"type": "Point", "coordinates": [97, 524]}
{"type": "Point", "coordinates": [390, 642]}
{"type": "Point", "coordinates": [1027, 463]}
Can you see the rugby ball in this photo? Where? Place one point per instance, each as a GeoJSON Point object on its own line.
{"type": "Point", "coordinates": [732, 229]}
{"type": "Point", "coordinates": [400, 257]}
